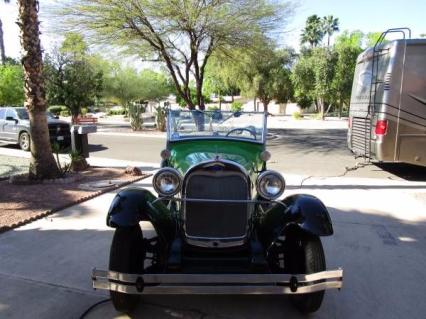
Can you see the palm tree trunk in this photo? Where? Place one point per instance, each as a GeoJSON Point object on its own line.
{"type": "Point", "coordinates": [43, 164]}
{"type": "Point", "coordinates": [2, 50]}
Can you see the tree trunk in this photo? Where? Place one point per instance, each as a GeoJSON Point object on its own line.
{"type": "Point", "coordinates": [321, 103]}
{"type": "Point", "coordinates": [340, 107]}
{"type": "Point", "coordinates": [42, 165]}
{"type": "Point", "coordinates": [254, 104]}
{"type": "Point", "coordinates": [265, 103]}
{"type": "Point", "coordinates": [2, 50]}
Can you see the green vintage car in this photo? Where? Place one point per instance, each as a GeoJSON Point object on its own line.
{"type": "Point", "coordinates": [220, 225]}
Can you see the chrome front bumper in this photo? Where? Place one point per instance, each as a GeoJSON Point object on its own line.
{"type": "Point", "coordinates": [270, 284]}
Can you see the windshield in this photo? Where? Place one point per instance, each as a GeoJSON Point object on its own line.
{"type": "Point", "coordinates": [23, 114]}
{"type": "Point", "coordinates": [186, 124]}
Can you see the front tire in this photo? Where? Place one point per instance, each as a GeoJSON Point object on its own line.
{"type": "Point", "coordinates": [25, 141]}
{"type": "Point", "coordinates": [306, 256]}
{"type": "Point", "coordinates": [127, 255]}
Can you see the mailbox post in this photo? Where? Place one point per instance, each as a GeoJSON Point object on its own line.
{"type": "Point", "coordinates": [79, 140]}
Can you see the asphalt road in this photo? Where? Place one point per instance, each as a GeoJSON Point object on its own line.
{"type": "Point", "coordinates": [320, 153]}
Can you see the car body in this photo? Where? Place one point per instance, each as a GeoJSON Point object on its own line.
{"type": "Point", "coordinates": [15, 128]}
{"type": "Point", "coordinates": [221, 227]}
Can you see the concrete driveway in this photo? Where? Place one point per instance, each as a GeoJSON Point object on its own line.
{"type": "Point", "coordinates": [379, 240]}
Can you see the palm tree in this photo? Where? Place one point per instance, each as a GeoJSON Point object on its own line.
{"type": "Point", "coordinates": [2, 51]}
{"type": "Point", "coordinates": [42, 165]}
{"type": "Point", "coordinates": [330, 25]}
{"type": "Point", "coordinates": [313, 31]}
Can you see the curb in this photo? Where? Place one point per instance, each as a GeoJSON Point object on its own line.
{"type": "Point", "coordinates": [4, 229]}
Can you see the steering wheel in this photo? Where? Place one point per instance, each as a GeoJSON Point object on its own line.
{"type": "Point", "coordinates": [241, 129]}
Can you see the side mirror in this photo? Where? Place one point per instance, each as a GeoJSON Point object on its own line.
{"type": "Point", "coordinates": [10, 118]}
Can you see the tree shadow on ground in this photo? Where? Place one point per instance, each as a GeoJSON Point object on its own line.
{"type": "Point", "coordinates": [97, 148]}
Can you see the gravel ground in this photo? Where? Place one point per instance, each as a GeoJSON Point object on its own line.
{"type": "Point", "coordinates": [20, 204]}
{"type": "Point", "coordinates": [10, 165]}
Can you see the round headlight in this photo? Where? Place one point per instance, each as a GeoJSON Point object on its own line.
{"type": "Point", "coordinates": [270, 184]}
{"type": "Point", "coordinates": [167, 181]}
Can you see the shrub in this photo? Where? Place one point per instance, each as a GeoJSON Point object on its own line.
{"type": "Point", "coordinates": [135, 115]}
{"type": "Point", "coordinates": [160, 117]}
{"type": "Point", "coordinates": [65, 113]}
{"type": "Point", "coordinates": [318, 116]}
{"type": "Point", "coordinates": [117, 112]}
{"type": "Point", "coordinates": [212, 108]}
{"type": "Point", "coordinates": [83, 111]}
{"type": "Point", "coordinates": [297, 115]}
{"type": "Point", "coordinates": [304, 101]}
{"type": "Point", "coordinates": [56, 109]}
{"type": "Point", "coordinates": [236, 106]}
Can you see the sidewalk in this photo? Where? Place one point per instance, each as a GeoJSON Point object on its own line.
{"type": "Point", "coordinates": [22, 156]}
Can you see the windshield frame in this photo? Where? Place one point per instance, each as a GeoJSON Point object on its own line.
{"type": "Point", "coordinates": [262, 140]}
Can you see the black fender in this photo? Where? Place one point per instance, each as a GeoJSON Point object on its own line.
{"type": "Point", "coordinates": [300, 212]}
{"type": "Point", "coordinates": [132, 205]}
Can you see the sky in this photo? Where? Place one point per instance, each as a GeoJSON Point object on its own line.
{"type": "Point", "coordinates": [364, 15]}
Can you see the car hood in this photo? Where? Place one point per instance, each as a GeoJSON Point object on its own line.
{"type": "Point", "coordinates": [185, 154]}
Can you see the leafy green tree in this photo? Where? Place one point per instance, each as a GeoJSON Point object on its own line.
{"type": "Point", "coordinates": [324, 63]}
{"type": "Point", "coordinates": [180, 34]}
{"type": "Point", "coordinates": [271, 78]}
{"type": "Point", "coordinates": [71, 80]}
{"type": "Point", "coordinates": [372, 38]}
{"type": "Point", "coordinates": [347, 47]}
{"type": "Point", "coordinates": [154, 86]}
{"type": "Point", "coordinates": [219, 79]}
{"type": "Point", "coordinates": [313, 33]}
{"type": "Point", "coordinates": [349, 39]}
{"type": "Point", "coordinates": [74, 47]}
{"type": "Point", "coordinates": [303, 79]}
{"type": "Point", "coordinates": [11, 85]}
{"type": "Point", "coordinates": [122, 84]}
{"type": "Point", "coordinates": [263, 72]}
{"type": "Point", "coordinates": [330, 25]}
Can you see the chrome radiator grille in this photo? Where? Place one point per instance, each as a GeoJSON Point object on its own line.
{"type": "Point", "coordinates": [361, 130]}
{"type": "Point", "coordinates": [216, 220]}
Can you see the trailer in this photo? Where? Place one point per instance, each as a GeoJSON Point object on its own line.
{"type": "Point", "coordinates": [387, 116]}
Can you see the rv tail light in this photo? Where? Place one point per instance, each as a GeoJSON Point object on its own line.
{"type": "Point", "coordinates": [381, 127]}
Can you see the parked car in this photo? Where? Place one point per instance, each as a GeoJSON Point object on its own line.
{"type": "Point", "coordinates": [220, 225]}
{"type": "Point", "coordinates": [15, 128]}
